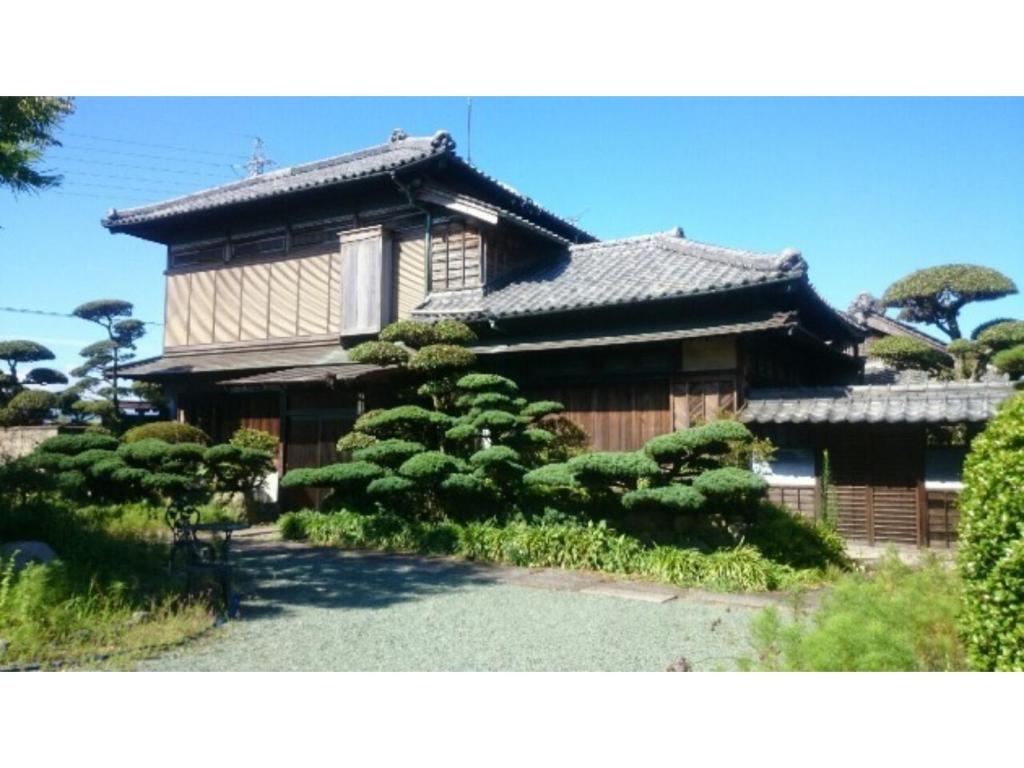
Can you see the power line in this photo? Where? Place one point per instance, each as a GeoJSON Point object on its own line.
{"type": "Point", "coordinates": [22, 311]}
{"type": "Point", "coordinates": [155, 146]}
{"type": "Point", "coordinates": [119, 177]}
{"type": "Point", "coordinates": [144, 155]}
{"type": "Point", "coordinates": [152, 190]}
{"type": "Point", "coordinates": [188, 172]}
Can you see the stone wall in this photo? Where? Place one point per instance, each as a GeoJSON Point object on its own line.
{"type": "Point", "coordinates": [19, 441]}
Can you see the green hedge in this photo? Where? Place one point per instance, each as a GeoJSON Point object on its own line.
{"type": "Point", "coordinates": [991, 553]}
{"type": "Point", "coordinates": [593, 546]}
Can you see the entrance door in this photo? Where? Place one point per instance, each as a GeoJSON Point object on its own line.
{"type": "Point", "coordinates": [310, 442]}
{"type": "Point", "coordinates": [875, 473]}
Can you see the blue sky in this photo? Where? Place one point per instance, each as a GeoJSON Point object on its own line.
{"type": "Point", "coordinates": [867, 189]}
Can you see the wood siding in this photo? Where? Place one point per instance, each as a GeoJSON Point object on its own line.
{"type": "Point", "coordinates": [410, 273]}
{"type": "Point", "coordinates": [232, 305]}
{"type": "Point", "coordinates": [943, 516]}
{"type": "Point", "coordinates": [618, 417]}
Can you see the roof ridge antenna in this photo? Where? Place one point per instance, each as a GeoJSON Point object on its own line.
{"type": "Point", "coordinates": [469, 129]}
{"type": "Point", "coordinates": [257, 163]}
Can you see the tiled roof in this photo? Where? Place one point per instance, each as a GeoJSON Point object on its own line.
{"type": "Point", "coordinates": [307, 375]}
{"type": "Point", "coordinates": [898, 403]}
{"type": "Point", "coordinates": [247, 360]}
{"type": "Point", "coordinates": [640, 335]}
{"type": "Point", "coordinates": [400, 152]}
{"type": "Point", "coordinates": [380, 159]}
{"type": "Point", "coordinates": [612, 272]}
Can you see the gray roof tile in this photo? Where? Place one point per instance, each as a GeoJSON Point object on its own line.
{"type": "Point", "coordinates": [366, 162]}
{"type": "Point", "coordinates": [611, 272]}
{"type": "Point", "coordinates": [899, 403]}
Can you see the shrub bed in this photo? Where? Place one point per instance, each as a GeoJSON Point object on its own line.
{"type": "Point", "coordinates": [593, 546]}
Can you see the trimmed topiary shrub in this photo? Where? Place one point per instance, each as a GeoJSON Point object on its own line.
{"type": "Point", "coordinates": [1010, 361]}
{"type": "Point", "coordinates": [74, 444]}
{"type": "Point", "coordinates": [381, 353]}
{"type": "Point", "coordinates": [668, 498]}
{"type": "Point", "coordinates": [168, 431]}
{"type": "Point", "coordinates": [431, 467]}
{"type": "Point", "coordinates": [607, 467]}
{"type": "Point", "coordinates": [404, 421]}
{"type": "Point", "coordinates": [541, 408]}
{"type": "Point", "coordinates": [256, 439]}
{"type": "Point", "coordinates": [389, 453]}
{"type": "Point", "coordinates": [991, 550]}
{"type": "Point", "coordinates": [731, 488]}
{"type": "Point", "coordinates": [441, 358]}
{"type": "Point", "coordinates": [487, 382]}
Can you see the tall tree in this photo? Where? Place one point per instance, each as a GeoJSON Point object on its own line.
{"type": "Point", "coordinates": [104, 358]}
{"type": "Point", "coordinates": [16, 352]}
{"type": "Point", "coordinates": [27, 125]}
{"type": "Point", "coordinates": [937, 294]}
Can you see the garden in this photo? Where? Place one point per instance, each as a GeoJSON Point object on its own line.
{"type": "Point", "coordinates": [467, 467]}
{"type": "Point", "coordinates": [101, 592]}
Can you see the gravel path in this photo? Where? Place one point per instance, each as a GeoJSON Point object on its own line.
{"type": "Point", "coordinates": [310, 608]}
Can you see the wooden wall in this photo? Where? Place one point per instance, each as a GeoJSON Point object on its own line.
{"type": "Point", "coordinates": [410, 272]}
{"type": "Point", "coordinates": [618, 417]}
{"type": "Point", "coordinates": [284, 299]}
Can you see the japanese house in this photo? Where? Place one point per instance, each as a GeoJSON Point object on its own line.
{"type": "Point", "coordinates": [271, 279]}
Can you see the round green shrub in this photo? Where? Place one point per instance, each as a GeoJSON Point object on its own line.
{"type": "Point", "coordinates": [1010, 361]}
{"type": "Point", "coordinates": [381, 353]}
{"type": "Point", "coordinates": [420, 334]}
{"type": "Point", "coordinates": [555, 475]}
{"type": "Point", "coordinates": [462, 433]}
{"type": "Point", "coordinates": [731, 486]}
{"type": "Point", "coordinates": [86, 459]}
{"type": "Point", "coordinates": [612, 467]}
{"type": "Point", "coordinates": [405, 421]}
{"type": "Point", "coordinates": [712, 438]}
{"type": "Point", "coordinates": [542, 408]}
{"type": "Point", "coordinates": [536, 436]}
{"type": "Point", "coordinates": [496, 454]}
{"type": "Point", "coordinates": [496, 421]}
{"type": "Point", "coordinates": [352, 476]}
{"type": "Point", "coordinates": [452, 332]}
{"type": "Point", "coordinates": [431, 467]}
{"type": "Point", "coordinates": [991, 549]}
{"type": "Point", "coordinates": [390, 487]}
{"type": "Point", "coordinates": [441, 357]}
{"type": "Point", "coordinates": [303, 477]}
{"type": "Point", "coordinates": [168, 431]}
{"type": "Point", "coordinates": [487, 382]}
{"type": "Point", "coordinates": [904, 353]}
{"type": "Point", "coordinates": [492, 401]}
{"type": "Point", "coordinates": [30, 406]}
{"type": "Point", "coordinates": [147, 452]}
{"type": "Point", "coordinates": [389, 453]}
{"type": "Point", "coordinates": [255, 439]}
{"type": "Point", "coordinates": [672, 498]}
{"type": "Point", "coordinates": [353, 441]}
{"type": "Point", "coordinates": [1004, 335]}
{"type": "Point", "coordinates": [462, 484]}
{"type": "Point", "coordinates": [74, 444]}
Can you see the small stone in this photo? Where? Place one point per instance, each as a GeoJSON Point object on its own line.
{"type": "Point", "coordinates": [682, 664]}
{"type": "Point", "coordinates": [25, 552]}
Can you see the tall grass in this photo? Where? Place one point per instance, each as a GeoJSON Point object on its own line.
{"type": "Point", "coordinates": [556, 545]}
{"type": "Point", "coordinates": [897, 618]}
{"type": "Point", "coordinates": [108, 593]}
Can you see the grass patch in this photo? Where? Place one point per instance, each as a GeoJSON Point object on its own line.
{"type": "Point", "coordinates": [897, 618]}
{"type": "Point", "coordinates": [108, 595]}
{"type": "Point", "coordinates": [570, 545]}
